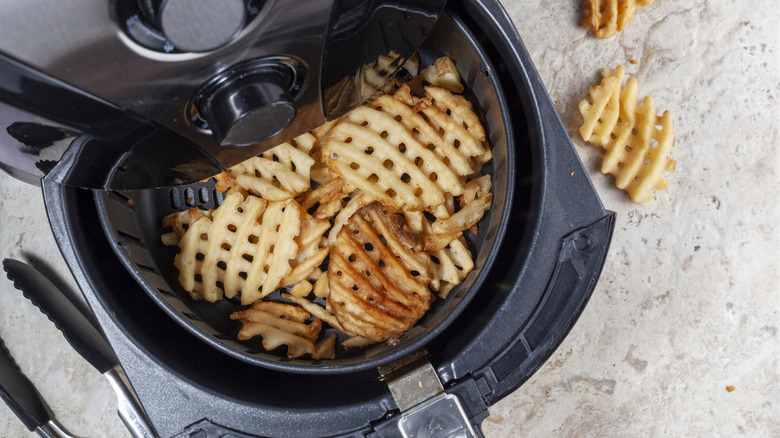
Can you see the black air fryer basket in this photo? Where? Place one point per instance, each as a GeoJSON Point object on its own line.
{"type": "Point", "coordinates": [538, 255]}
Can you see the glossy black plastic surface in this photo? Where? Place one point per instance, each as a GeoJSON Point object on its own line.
{"type": "Point", "coordinates": [116, 56]}
{"type": "Point", "coordinates": [45, 122]}
{"type": "Point", "coordinates": [250, 104]}
{"type": "Point", "coordinates": [367, 41]}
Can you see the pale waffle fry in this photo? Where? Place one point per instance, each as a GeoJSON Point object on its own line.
{"type": "Point", "coordinates": [280, 173]}
{"type": "Point", "coordinates": [377, 290]}
{"type": "Point", "coordinates": [312, 249]}
{"type": "Point", "coordinates": [377, 154]}
{"type": "Point", "coordinates": [315, 309]}
{"type": "Point", "coordinates": [403, 112]}
{"type": "Point", "coordinates": [358, 201]}
{"type": "Point", "coordinates": [238, 251]}
{"type": "Point", "coordinates": [466, 217]}
{"type": "Point", "coordinates": [403, 159]}
{"type": "Point", "coordinates": [455, 119]}
{"type": "Point", "coordinates": [327, 198]}
{"type": "Point", "coordinates": [637, 141]}
{"type": "Point", "coordinates": [607, 17]}
{"type": "Point", "coordinates": [271, 262]}
{"type": "Point", "coordinates": [283, 324]}
{"type": "Point", "coordinates": [179, 222]}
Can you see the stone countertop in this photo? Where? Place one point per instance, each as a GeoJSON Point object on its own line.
{"type": "Point", "coordinates": [688, 301]}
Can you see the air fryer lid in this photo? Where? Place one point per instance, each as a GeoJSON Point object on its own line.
{"type": "Point", "coordinates": [543, 274]}
{"type": "Point", "coordinates": [132, 220]}
{"type": "Point", "coordinates": [124, 100]}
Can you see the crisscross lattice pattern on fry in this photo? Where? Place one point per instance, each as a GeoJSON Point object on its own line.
{"type": "Point", "coordinates": [636, 140]}
{"type": "Point", "coordinates": [237, 252]}
{"type": "Point", "coordinates": [377, 280]}
{"type": "Point", "coordinates": [407, 159]}
{"type": "Point", "coordinates": [280, 173]}
{"type": "Point", "coordinates": [283, 324]}
{"type": "Point", "coordinates": [179, 222]}
{"type": "Point", "coordinates": [607, 17]}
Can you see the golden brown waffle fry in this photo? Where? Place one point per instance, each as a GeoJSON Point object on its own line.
{"type": "Point", "coordinates": [279, 173]}
{"type": "Point", "coordinates": [283, 324]}
{"type": "Point", "coordinates": [377, 290]}
{"type": "Point", "coordinates": [607, 17]}
{"type": "Point", "coordinates": [442, 73]}
{"type": "Point", "coordinates": [636, 140]}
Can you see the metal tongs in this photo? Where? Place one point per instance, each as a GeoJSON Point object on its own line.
{"type": "Point", "coordinates": [25, 401]}
{"type": "Point", "coordinates": [85, 337]}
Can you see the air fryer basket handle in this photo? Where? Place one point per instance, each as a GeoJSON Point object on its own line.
{"type": "Point", "coordinates": [569, 242]}
{"type": "Point", "coordinates": [574, 222]}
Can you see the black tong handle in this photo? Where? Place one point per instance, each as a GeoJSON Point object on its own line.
{"type": "Point", "coordinates": [19, 393]}
{"type": "Point", "coordinates": [77, 329]}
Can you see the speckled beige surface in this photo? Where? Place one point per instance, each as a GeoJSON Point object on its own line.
{"type": "Point", "coordinates": [689, 299]}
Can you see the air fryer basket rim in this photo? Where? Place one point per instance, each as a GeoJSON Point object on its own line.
{"type": "Point", "coordinates": [481, 72]}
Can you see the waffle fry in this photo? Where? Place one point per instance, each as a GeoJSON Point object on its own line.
{"type": "Point", "coordinates": [315, 309]}
{"type": "Point", "coordinates": [637, 141]}
{"type": "Point", "coordinates": [442, 73]}
{"type": "Point", "coordinates": [179, 222]}
{"type": "Point", "coordinates": [283, 324]}
{"type": "Point", "coordinates": [467, 217]}
{"type": "Point", "coordinates": [451, 265]}
{"type": "Point", "coordinates": [312, 249]}
{"type": "Point", "coordinates": [376, 154]}
{"type": "Point", "coordinates": [403, 159]}
{"type": "Point", "coordinates": [403, 111]}
{"type": "Point", "coordinates": [237, 252]}
{"type": "Point", "coordinates": [377, 290]}
{"type": "Point", "coordinates": [607, 17]}
{"type": "Point", "coordinates": [280, 173]}
{"type": "Point", "coordinates": [453, 115]}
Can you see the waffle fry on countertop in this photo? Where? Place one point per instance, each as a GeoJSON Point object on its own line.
{"type": "Point", "coordinates": [607, 17]}
{"type": "Point", "coordinates": [637, 141]}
